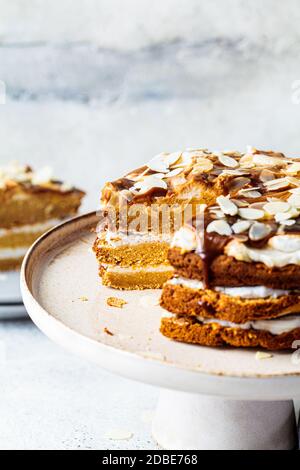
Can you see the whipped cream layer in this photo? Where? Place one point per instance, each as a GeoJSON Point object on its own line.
{"type": "Point", "coordinates": [30, 228]}
{"type": "Point", "coordinates": [275, 327]}
{"type": "Point", "coordinates": [124, 269]}
{"type": "Point", "coordinates": [12, 253]}
{"type": "Point", "coordinates": [280, 251]}
{"type": "Point", "coordinates": [116, 239]}
{"type": "Point", "coordinates": [245, 292]}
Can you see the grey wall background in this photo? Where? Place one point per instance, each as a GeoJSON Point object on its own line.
{"type": "Point", "coordinates": [97, 87]}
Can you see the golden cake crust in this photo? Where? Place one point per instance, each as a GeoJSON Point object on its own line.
{"type": "Point", "coordinates": [212, 304]}
{"type": "Point", "coordinates": [188, 330]}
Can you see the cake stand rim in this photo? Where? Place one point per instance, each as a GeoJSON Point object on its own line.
{"type": "Point", "coordinates": [129, 364]}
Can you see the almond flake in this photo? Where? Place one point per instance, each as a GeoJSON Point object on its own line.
{"type": "Point", "coordinates": [150, 182]}
{"type": "Point", "coordinates": [251, 214]}
{"type": "Point", "coordinates": [294, 200]}
{"type": "Point", "coordinates": [266, 175]}
{"type": "Point", "coordinates": [227, 161]}
{"type": "Point", "coordinates": [247, 161]}
{"type": "Point", "coordinates": [293, 180]}
{"type": "Point", "coordinates": [283, 216]}
{"type": "Point", "coordinates": [278, 183]}
{"type": "Point", "coordinates": [258, 231]}
{"type": "Point", "coordinates": [288, 222]}
{"type": "Point", "coordinates": [42, 176]}
{"type": "Point", "coordinates": [202, 165]}
{"type": "Point", "coordinates": [293, 169]}
{"type": "Point", "coordinates": [265, 160]}
{"type": "Point", "coordinates": [250, 192]}
{"type": "Point", "coordinates": [241, 226]}
{"type": "Point", "coordinates": [238, 183]}
{"type": "Point", "coordinates": [219, 226]}
{"type": "Point", "coordinates": [172, 158]}
{"type": "Point", "coordinates": [158, 163]}
{"type": "Point", "coordinates": [274, 207]}
{"type": "Point", "coordinates": [172, 173]}
{"type": "Point", "coordinates": [263, 355]}
{"type": "Point", "coordinates": [227, 206]}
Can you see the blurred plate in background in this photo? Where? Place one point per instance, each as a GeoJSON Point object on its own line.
{"type": "Point", "coordinates": [11, 304]}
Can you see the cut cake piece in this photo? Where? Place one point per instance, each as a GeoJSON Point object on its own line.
{"type": "Point", "coordinates": [30, 204]}
{"type": "Point", "coordinates": [236, 275]}
{"type": "Point", "coordinates": [135, 257]}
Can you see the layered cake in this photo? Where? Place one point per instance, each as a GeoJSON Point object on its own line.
{"type": "Point", "coordinates": [30, 204]}
{"type": "Point", "coordinates": [237, 267]}
{"type": "Point", "coordinates": [166, 192]}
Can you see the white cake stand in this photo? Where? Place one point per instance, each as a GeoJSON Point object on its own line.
{"type": "Point", "coordinates": [210, 398]}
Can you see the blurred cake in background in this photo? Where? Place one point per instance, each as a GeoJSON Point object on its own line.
{"type": "Point", "coordinates": [31, 202]}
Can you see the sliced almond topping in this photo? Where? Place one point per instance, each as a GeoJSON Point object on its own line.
{"type": "Point", "coordinates": [219, 226]}
{"type": "Point", "coordinates": [293, 169]}
{"type": "Point", "coordinates": [227, 161]}
{"type": "Point", "coordinates": [282, 216]}
{"type": "Point", "coordinates": [241, 226]}
{"type": "Point", "coordinates": [203, 165]}
{"type": "Point", "coordinates": [250, 192]}
{"type": "Point", "coordinates": [240, 203]}
{"type": "Point", "coordinates": [150, 182]}
{"type": "Point", "coordinates": [260, 355]}
{"type": "Point", "coordinates": [293, 180]}
{"type": "Point", "coordinates": [172, 173]}
{"type": "Point", "coordinates": [227, 206]}
{"type": "Point", "coordinates": [294, 200]}
{"type": "Point", "coordinates": [258, 231]}
{"type": "Point", "coordinates": [158, 163]}
{"type": "Point", "coordinates": [278, 183]}
{"type": "Point", "coordinates": [238, 183]}
{"type": "Point", "coordinates": [265, 160]}
{"type": "Point", "coordinates": [274, 207]}
{"type": "Point", "coordinates": [266, 175]}
{"type": "Point", "coordinates": [251, 214]}
{"type": "Point", "coordinates": [294, 190]}
{"type": "Point", "coordinates": [247, 161]}
{"type": "Point", "coordinates": [288, 222]}
{"type": "Point", "coordinates": [235, 172]}
{"type": "Point", "coordinates": [42, 176]}
{"type": "Point", "coordinates": [172, 158]}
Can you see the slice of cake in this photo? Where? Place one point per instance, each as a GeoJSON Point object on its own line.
{"type": "Point", "coordinates": [142, 210]}
{"type": "Point", "coordinates": [30, 204]}
{"type": "Point", "coordinates": [237, 270]}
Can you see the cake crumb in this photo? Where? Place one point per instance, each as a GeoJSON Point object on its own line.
{"type": "Point", "coordinates": [83, 298]}
{"type": "Point", "coordinates": [263, 355]}
{"type": "Point", "coordinates": [108, 332]}
{"type": "Point", "coordinates": [118, 435]}
{"type": "Point", "coordinates": [115, 302]}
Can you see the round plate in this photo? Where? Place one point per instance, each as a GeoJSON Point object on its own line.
{"type": "Point", "coordinates": [11, 304]}
{"type": "Point", "coordinates": [64, 297]}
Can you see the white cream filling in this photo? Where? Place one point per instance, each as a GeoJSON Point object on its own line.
{"type": "Point", "coordinates": [125, 270]}
{"type": "Point", "coordinates": [33, 228]}
{"type": "Point", "coordinates": [185, 238]}
{"type": "Point", "coordinates": [12, 253]}
{"type": "Point", "coordinates": [274, 326]}
{"type": "Point", "coordinates": [245, 292]}
{"type": "Point", "coordinates": [280, 251]}
{"type": "Point", "coordinates": [119, 238]}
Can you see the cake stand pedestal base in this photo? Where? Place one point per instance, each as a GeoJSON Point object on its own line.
{"type": "Point", "coordinates": [185, 421]}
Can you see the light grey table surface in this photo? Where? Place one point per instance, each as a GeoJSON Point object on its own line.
{"type": "Point", "coordinates": [51, 399]}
